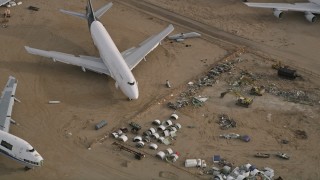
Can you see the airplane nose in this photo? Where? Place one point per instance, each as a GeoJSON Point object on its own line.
{"type": "Point", "coordinates": [134, 94]}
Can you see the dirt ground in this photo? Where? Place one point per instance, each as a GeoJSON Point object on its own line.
{"type": "Point", "coordinates": [62, 133]}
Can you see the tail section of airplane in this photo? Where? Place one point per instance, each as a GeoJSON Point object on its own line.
{"type": "Point", "coordinates": [90, 15]}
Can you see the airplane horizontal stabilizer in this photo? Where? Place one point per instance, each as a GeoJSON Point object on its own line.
{"type": "Point", "coordinates": [83, 16]}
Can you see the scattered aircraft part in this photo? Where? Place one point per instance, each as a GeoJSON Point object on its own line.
{"type": "Point", "coordinates": [152, 130]}
{"type": "Point", "coordinates": [156, 122]}
{"type": "Point", "coordinates": [262, 155]}
{"type": "Point", "coordinates": [173, 128]}
{"type": "Point", "coordinates": [54, 102]}
{"type": "Point", "coordinates": [174, 116]}
{"type": "Point", "coordinates": [178, 126]}
{"type": "Point", "coordinates": [277, 13]}
{"type": "Point", "coordinates": [135, 127]}
{"type": "Point", "coordinates": [146, 139]}
{"type": "Point", "coordinates": [120, 132]}
{"type": "Point", "coordinates": [16, 99]}
{"type": "Point", "coordinates": [168, 84]}
{"type": "Point", "coordinates": [182, 36]}
{"type": "Point", "coordinates": [153, 146]}
{"type": "Point", "coordinates": [173, 133]}
{"type": "Point", "coordinates": [161, 128]}
{"type": "Point", "coordinates": [161, 155]}
{"type": "Point", "coordinates": [155, 135]}
{"type": "Point", "coordinates": [123, 138]}
{"type": "Point", "coordinates": [137, 139]}
{"type": "Point", "coordinates": [161, 139]}
{"type": "Point", "coordinates": [169, 151]}
{"type": "Point", "coordinates": [283, 155]}
{"type": "Point", "coordinates": [140, 144]}
{"type": "Point", "coordinates": [230, 136]}
{"type": "Point", "coordinates": [115, 135]}
{"type": "Point", "coordinates": [172, 157]}
{"type": "Point", "coordinates": [169, 122]}
{"type": "Point", "coordinates": [100, 124]}
{"type": "Point", "coordinates": [166, 133]}
{"type": "Point", "coordinates": [83, 69]}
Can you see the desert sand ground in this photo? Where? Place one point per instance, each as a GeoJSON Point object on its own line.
{"type": "Point", "coordinates": [62, 133]}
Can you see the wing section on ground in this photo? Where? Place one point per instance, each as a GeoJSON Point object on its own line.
{"type": "Point", "coordinates": [134, 55]}
{"type": "Point", "coordinates": [85, 62]}
{"type": "Point", "coordinates": [302, 7]}
{"type": "Point", "coordinates": [3, 2]}
{"type": "Point", "coordinates": [6, 103]}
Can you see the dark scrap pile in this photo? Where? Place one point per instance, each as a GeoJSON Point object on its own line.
{"type": "Point", "coordinates": [296, 96]}
{"type": "Point", "coordinates": [300, 134]}
{"type": "Point", "coordinates": [186, 96]}
{"type": "Point", "coordinates": [226, 122]}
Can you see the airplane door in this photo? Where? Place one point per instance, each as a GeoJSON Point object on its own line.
{"type": "Point", "coordinates": [20, 150]}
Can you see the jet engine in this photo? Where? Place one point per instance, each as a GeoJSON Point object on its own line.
{"type": "Point", "coordinates": [277, 13]}
{"type": "Point", "coordinates": [310, 17]}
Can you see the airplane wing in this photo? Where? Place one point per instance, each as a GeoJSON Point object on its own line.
{"type": "Point", "coordinates": [134, 55]}
{"type": "Point", "coordinates": [3, 2]}
{"type": "Point", "coordinates": [302, 7]}
{"type": "Point", "coordinates": [6, 103]}
{"type": "Point", "coordinates": [85, 62]}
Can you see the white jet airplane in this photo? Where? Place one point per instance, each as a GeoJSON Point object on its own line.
{"type": "Point", "coordinates": [3, 2]}
{"type": "Point", "coordinates": [111, 62]}
{"type": "Point", "coordinates": [310, 8]}
{"type": "Point", "coordinates": [11, 145]}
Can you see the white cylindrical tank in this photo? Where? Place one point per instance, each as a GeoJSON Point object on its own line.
{"type": "Point", "coordinates": [190, 163]}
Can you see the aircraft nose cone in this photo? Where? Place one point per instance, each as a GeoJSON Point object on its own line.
{"type": "Point", "coordinates": [134, 94]}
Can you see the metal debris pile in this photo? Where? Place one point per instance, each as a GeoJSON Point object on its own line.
{"type": "Point", "coordinates": [296, 96]}
{"type": "Point", "coordinates": [246, 171]}
{"type": "Point", "coordinates": [187, 96]}
{"type": "Point", "coordinates": [226, 122]}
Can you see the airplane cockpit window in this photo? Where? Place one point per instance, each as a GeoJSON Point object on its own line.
{"type": "Point", "coordinates": [31, 150]}
{"type": "Point", "coordinates": [131, 83]}
{"type": "Point", "coordinates": [6, 145]}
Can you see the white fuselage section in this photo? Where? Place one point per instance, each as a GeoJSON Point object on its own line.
{"type": "Point", "coordinates": [315, 1]}
{"type": "Point", "coordinates": [19, 150]}
{"type": "Point", "coordinates": [113, 59]}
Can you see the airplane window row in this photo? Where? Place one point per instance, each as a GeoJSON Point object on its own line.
{"type": "Point", "coordinates": [6, 145]}
{"type": "Point", "coordinates": [31, 162]}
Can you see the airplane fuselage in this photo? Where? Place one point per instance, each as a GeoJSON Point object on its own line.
{"type": "Point", "coordinates": [113, 59]}
{"type": "Point", "coordinates": [19, 150]}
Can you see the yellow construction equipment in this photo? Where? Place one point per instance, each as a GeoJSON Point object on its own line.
{"type": "Point", "coordinates": [257, 91]}
{"type": "Point", "coordinates": [241, 101]}
{"type": "Point", "coordinates": [277, 65]}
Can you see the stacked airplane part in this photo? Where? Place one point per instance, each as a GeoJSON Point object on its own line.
{"type": "Point", "coordinates": [111, 62]}
{"type": "Point", "coordinates": [310, 8]}
{"type": "Point", "coordinates": [10, 145]}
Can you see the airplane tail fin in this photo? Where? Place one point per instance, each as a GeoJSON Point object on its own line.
{"type": "Point", "coordinates": [90, 15]}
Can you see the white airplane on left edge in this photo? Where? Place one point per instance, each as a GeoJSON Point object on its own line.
{"type": "Point", "coordinates": [11, 145]}
{"type": "Point", "coordinates": [111, 62]}
{"type": "Point", "coordinates": [3, 2]}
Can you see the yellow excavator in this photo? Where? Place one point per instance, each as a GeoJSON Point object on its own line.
{"type": "Point", "coordinates": [241, 101]}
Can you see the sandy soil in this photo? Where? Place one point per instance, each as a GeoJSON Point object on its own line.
{"type": "Point", "coordinates": [62, 133]}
